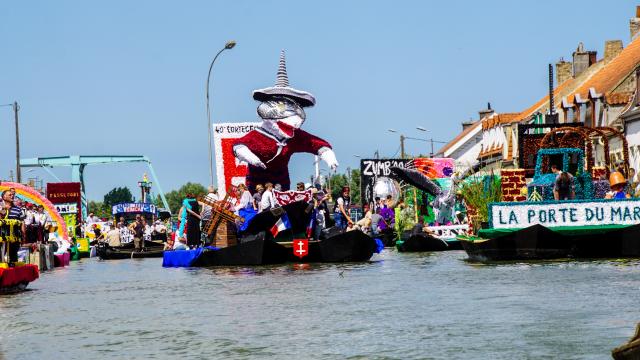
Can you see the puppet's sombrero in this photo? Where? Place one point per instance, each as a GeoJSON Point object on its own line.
{"type": "Point", "coordinates": [282, 88]}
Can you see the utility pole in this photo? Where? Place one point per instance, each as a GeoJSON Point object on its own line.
{"type": "Point", "coordinates": [431, 147]}
{"type": "Point", "coordinates": [15, 113]}
{"type": "Point", "coordinates": [402, 146]}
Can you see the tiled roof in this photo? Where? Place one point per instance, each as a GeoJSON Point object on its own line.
{"type": "Point", "coordinates": [619, 98]}
{"type": "Point", "coordinates": [460, 136]}
{"type": "Point", "coordinates": [613, 73]}
{"type": "Point", "coordinates": [498, 119]}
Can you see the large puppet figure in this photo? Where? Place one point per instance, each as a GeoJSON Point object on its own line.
{"type": "Point", "coordinates": [267, 149]}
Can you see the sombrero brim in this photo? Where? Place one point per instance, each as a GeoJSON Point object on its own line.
{"type": "Point", "coordinates": [303, 98]}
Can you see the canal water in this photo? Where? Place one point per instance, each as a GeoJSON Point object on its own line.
{"type": "Point", "coordinates": [399, 306]}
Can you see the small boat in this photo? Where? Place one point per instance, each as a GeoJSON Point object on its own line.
{"type": "Point", "coordinates": [426, 242]}
{"type": "Point", "coordinates": [16, 279]}
{"type": "Point", "coordinates": [630, 350]}
{"type": "Point", "coordinates": [126, 251]}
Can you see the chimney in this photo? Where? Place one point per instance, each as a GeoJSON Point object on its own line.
{"type": "Point", "coordinates": [634, 24]}
{"type": "Point", "coordinates": [611, 49]}
{"type": "Point", "coordinates": [466, 124]}
{"type": "Point", "coordinates": [582, 59]}
{"type": "Point", "coordinates": [486, 112]}
{"type": "Point", "coordinates": [563, 71]}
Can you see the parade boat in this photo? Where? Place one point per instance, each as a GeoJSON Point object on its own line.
{"type": "Point", "coordinates": [258, 245]}
{"type": "Point", "coordinates": [543, 228]}
{"type": "Point", "coordinates": [153, 247]}
{"type": "Point", "coordinates": [15, 278]}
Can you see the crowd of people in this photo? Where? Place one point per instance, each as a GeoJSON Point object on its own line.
{"type": "Point", "coordinates": [137, 231]}
{"type": "Point", "coordinates": [35, 224]}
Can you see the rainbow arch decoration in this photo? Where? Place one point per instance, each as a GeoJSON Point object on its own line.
{"type": "Point", "coordinates": [30, 194]}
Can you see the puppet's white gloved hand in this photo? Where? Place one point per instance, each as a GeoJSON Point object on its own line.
{"type": "Point", "coordinates": [327, 155]}
{"type": "Point", "coordinates": [244, 154]}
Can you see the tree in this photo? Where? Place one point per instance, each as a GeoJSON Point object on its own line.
{"type": "Point", "coordinates": [117, 195]}
{"type": "Point", "coordinates": [175, 197]}
{"type": "Point", "coordinates": [99, 209]}
{"type": "Point", "coordinates": [337, 181]}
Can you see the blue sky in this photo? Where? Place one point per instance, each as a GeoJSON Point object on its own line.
{"type": "Point", "coordinates": [127, 77]}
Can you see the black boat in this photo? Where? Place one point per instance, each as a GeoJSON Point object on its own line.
{"type": "Point", "coordinates": [539, 243]}
{"type": "Point", "coordinates": [257, 246]}
{"type": "Point", "coordinates": [127, 251]}
{"type": "Point", "coordinates": [256, 251]}
{"type": "Point", "coordinates": [425, 242]}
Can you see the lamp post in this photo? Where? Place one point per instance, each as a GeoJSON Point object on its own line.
{"type": "Point", "coordinates": [228, 46]}
{"type": "Point", "coordinates": [402, 137]}
{"type": "Point", "coordinates": [425, 130]}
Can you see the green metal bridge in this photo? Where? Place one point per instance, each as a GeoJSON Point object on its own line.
{"type": "Point", "coordinates": [78, 163]}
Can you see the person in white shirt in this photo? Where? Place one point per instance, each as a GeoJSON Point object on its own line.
{"type": "Point", "coordinates": [246, 200]}
{"type": "Point", "coordinates": [268, 201]}
{"type": "Point", "coordinates": [92, 219]}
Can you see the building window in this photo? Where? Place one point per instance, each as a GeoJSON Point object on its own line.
{"type": "Point", "coordinates": [589, 115]}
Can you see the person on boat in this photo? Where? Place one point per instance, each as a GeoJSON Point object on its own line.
{"type": "Point", "coordinates": [564, 187]}
{"type": "Point", "coordinates": [190, 220]}
{"type": "Point", "coordinates": [418, 228]}
{"type": "Point", "coordinates": [92, 218]}
{"type": "Point", "coordinates": [9, 211]}
{"type": "Point", "coordinates": [246, 200]}
{"type": "Point", "coordinates": [257, 197]}
{"type": "Point", "coordinates": [113, 236]}
{"type": "Point", "coordinates": [268, 200]}
{"type": "Point", "coordinates": [365, 223]}
{"type": "Point", "coordinates": [341, 210]}
{"type": "Point", "coordinates": [138, 233]}
{"type": "Point", "coordinates": [97, 232]}
{"type": "Point", "coordinates": [377, 223]}
{"type": "Point", "coordinates": [618, 184]}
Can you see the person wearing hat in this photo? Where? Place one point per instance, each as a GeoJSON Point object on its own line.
{"type": "Point", "coordinates": [268, 148]}
{"type": "Point", "coordinates": [617, 183]}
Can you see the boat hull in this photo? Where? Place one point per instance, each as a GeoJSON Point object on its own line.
{"type": "Point", "coordinates": [106, 252]}
{"type": "Point", "coordinates": [540, 243]}
{"type": "Point", "coordinates": [423, 242]}
{"type": "Point", "coordinates": [350, 246]}
{"type": "Point", "coordinates": [259, 251]}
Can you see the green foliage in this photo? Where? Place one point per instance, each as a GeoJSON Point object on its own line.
{"type": "Point", "coordinates": [117, 195]}
{"type": "Point", "coordinates": [479, 191]}
{"type": "Point", "coordinates": [99, 209]}
{"type": "Point", "coordinates": [337, 181]}
{"type": "Point", "coordinates": [404, 220]}
{"type": "Point", "coordinates": [175, 197]}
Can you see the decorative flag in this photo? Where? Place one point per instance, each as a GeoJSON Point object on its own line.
{"type": "Point", "coordinates": [310, 226]}
{"type": "Point", "coordinates": [282, 224]}
{"type": "Point", "coordinates": [300, 247]}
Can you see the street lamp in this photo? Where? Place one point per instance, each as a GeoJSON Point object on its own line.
{"type": "Point", "coordinates": [228, 46]}
{"type": "Point", "coordinates": [401, 143]}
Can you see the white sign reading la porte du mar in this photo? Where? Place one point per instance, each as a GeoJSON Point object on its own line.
{"type": "Point", "coordinates": [565, 213]}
